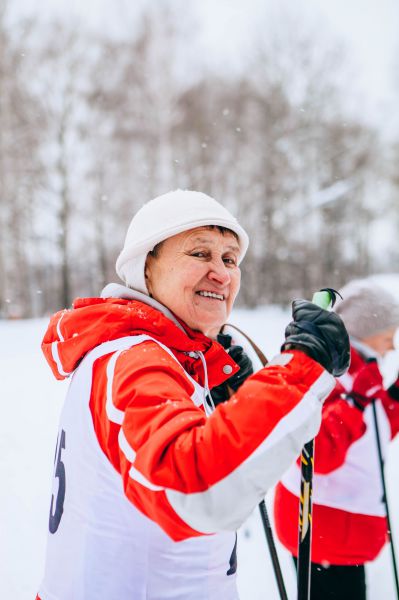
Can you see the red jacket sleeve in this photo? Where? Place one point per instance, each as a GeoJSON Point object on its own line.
{"type": "Point", "coordinates": [196, 475]}
{"type": "Point", "coordinates": [342, 424]}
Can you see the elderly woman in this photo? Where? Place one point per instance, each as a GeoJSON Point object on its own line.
{"type": "Point", "coordinates": [150, 481]}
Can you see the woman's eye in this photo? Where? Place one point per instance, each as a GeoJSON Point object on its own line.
{"type": "Point", "coordinates": [199, 254]}
{"type": "Point", "coordinates": [230, 260]}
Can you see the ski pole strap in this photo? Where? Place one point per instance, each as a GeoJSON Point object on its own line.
{"type": "Point", "coordinates": [256, 348]}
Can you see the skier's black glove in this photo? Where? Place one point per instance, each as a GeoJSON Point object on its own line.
{"type": "Point", "coordinates": [393, 390]}
{"type": "Point", "coordinates": [320, 334]}
{"type": "Point", "coordinates": [221, 392]}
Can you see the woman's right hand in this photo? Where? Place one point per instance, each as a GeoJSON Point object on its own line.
{"type": "Point", "coordinates": [319, 333]}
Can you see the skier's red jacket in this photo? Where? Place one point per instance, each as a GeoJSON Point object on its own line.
{"type": "Point", "coordinates": [349, 524]}
{"type": "Point", "coordinates": [213, 470]}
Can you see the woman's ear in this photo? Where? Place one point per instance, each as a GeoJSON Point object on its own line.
{"type": "Point", "coordinates": [147, 274]}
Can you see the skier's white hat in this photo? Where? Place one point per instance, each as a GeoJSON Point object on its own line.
{"type": "Point", "coordinates": [367, 308]}
{"type": "Point", "coordinates": [163, 217]}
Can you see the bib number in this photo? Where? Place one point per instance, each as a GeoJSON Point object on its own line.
{"type": "Point", "coordinates": [233, 560]}
{"type": "Point", "coordinates": [57, 503]}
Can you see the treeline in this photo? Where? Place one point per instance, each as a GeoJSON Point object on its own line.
{"type": "Point", "coordinates": [91, 127]}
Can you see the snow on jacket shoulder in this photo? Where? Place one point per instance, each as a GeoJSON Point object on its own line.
{"type": "Point", "coordinates": [189, 473]}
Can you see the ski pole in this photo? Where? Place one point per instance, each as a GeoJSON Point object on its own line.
{"type": "Point", "coordinates": [325, 299]}
{"type": "Point", "coordinates": [385, 497]}
{"type": "Point", "coordinates": [272, 549]}
{"type": "Point", "coordinates": [262, 505]}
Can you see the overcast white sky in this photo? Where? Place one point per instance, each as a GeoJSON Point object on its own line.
{"type": "Point", "coordinates": [370, 29]}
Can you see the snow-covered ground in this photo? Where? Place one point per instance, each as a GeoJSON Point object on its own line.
{"type": "Point", "coordinates": [30, 404]}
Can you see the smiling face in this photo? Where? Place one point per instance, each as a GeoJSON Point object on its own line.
{"type": "Point", "coordinates": [196, 275]}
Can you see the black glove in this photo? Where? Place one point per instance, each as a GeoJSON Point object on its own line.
{"type": "Point", "coordinates": [221, 392]}
{"type": "Point", "coordinates": [321, 334]}
{"type": "Point", "coordinates": [393, 390]}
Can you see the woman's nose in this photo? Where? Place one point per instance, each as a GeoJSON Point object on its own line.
{"type": "Point", "coordinates": [219, 272]}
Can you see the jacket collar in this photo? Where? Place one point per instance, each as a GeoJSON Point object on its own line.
{"type": "Point", "coordinates": [190, 343]}
{"type": "Point", "coordinates": [73, 333]}
{"type": "Point", "coordinates": [116, 290]}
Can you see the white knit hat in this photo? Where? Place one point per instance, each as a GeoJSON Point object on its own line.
{"type": "Point", "coordinates": [163, 217]}
{"type": "Point", "coordinates": [367, 308]}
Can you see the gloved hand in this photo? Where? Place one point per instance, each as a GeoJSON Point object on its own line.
{"type": "Point", "coordinates": [393, 390]}
{"type": "Point", "coordinates": [320, 334]}
{"type": "Point", "coordinates": [221, 392]}
{"type": "Point", "coordinates": [367, 384]}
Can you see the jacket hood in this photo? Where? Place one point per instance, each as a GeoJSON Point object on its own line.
{"type": "Point", "coordinates": [72, 333]}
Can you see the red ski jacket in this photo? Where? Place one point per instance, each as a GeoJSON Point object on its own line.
{"type": "Point", "coordinates": [176, 447]}
{"type": "Point", "coordinates": [349, 524]}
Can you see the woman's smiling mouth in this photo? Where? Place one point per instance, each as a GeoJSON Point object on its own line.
{"type": "Point", "coordinates": [213, 295]}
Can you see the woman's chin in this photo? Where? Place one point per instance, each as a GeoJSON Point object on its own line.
{"type": "Point", "coordinates": [207, 319]}
{"type": "Point", "coordinates": [210, 327]}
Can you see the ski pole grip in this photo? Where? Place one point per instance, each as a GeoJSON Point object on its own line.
{"type": "Point", "coordinates": [323, 299]}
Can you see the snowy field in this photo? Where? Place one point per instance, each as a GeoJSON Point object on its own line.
{"type": "Point", "coordinates": [30, 404]}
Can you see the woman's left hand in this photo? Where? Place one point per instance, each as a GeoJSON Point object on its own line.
{"type": "Point", "coordinates": [222, 392]}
